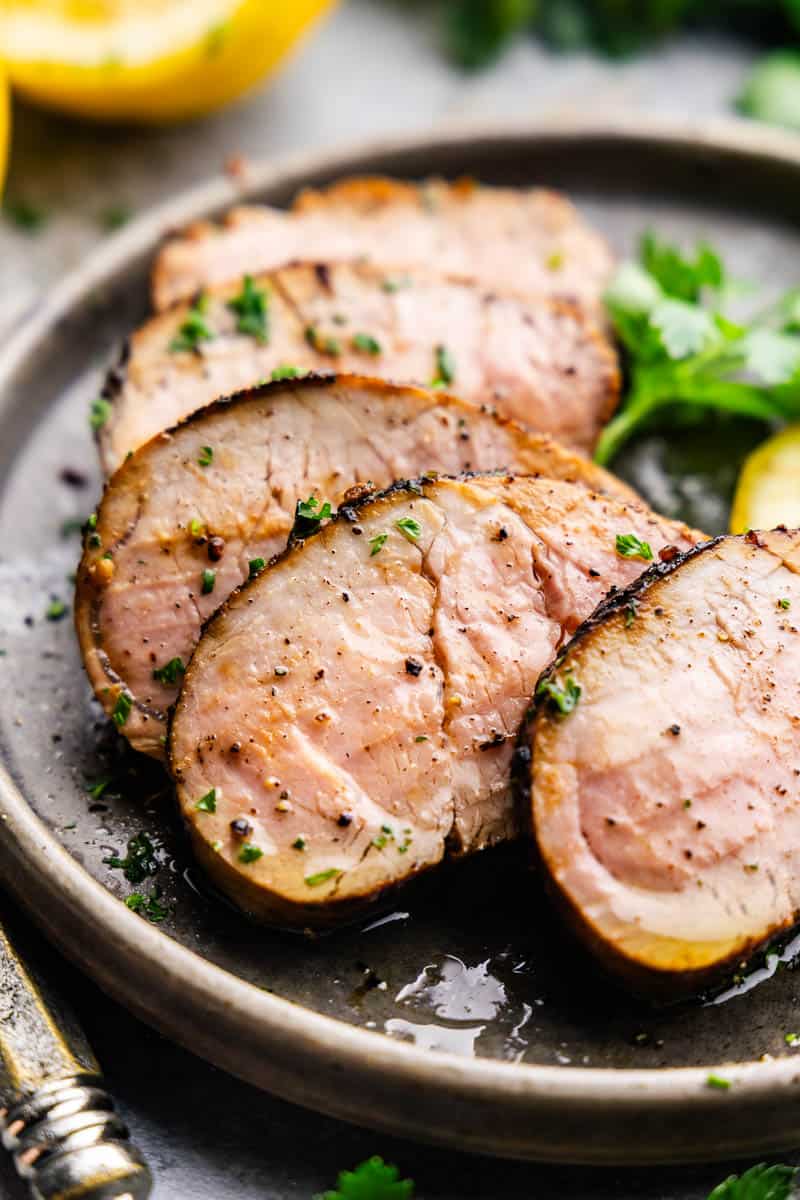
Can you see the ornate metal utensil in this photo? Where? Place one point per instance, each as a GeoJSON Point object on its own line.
{"type": "Point", "coordinates": [57, 1120]}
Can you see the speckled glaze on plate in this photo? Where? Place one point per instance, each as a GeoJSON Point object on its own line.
{"type": "Point", "coordinates": [463, 1015]}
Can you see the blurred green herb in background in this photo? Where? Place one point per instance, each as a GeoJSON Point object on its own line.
{"type": "Point", "coordinates": [476, 32]}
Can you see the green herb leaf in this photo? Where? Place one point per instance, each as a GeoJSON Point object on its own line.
{"type": "Point", "coordinates": [249, 854]}
{"type": "Point", "coordinates": [285, 372]}
{"type": "Point", "coordinates": [194, 329]}
{"type": "Point", "coordinates": [208, 803]}
{"type": "Point", "coordinates": [772, 93]}
{"type": "Point", "coordinates": [140, 860]}
{"type": "Point", "coordinates": [683, 328]}
{"type": "Point", "coordinates": [365, 343]}
{"type": "Point", "coordinates": [114, 217]}
{"type": "Point", "coordinates": [376, 1180]}
{"type": "Point", "coordinates": [308, 516]}
{"type": "Point", "coordinates": [55, 610]}
{"type": "Point", "coordinates": [321, 877]}
{"type": "Point", "coordinates": [628, 545]}
{"type": "Point", "coordinates": [122, 709]}
{"type": "Point", "coordinates": [207, 581]}
{"type": "Point", "coordinates": [677, 275]}
{"type": "Point", "coordinates": [717, 1082]}
{"type": "Point", "coordinates": [323, 345]}
{"type": "Point", "coordinates": [252, 310]}
{"type": "Point", "coordinates": [409, 527]}
{"type": "Point", "coordinates": [759, 1183]}
{"type": "Point", "coordinates": [170, 672]}
{"type": "Point", "coordinates": [478, 30]}
{"type": "Point", "coordinates": [26, 216]}
{"type": "Point", "coordinates": [377, 543]}
{"type": "Point", "coordinates": [255, 567]}
{"type": "Point", "coordinates": [206, 456]}
{"type": "Point", "coordinates": [148, 906]}
{"type": "Point", "coordinates": [445, 368]}
{"type": "Point", "coordinates": [99, 413]}
{"type": "Point", "coordinates": [563, 700]}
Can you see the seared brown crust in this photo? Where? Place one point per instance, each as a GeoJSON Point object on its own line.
{"type": "Point", "coordinates": [139, 477]}
{"type": "Point", "coordinates": [551, 220]}
{"type": "Point", "coordinates": [541, 361]}
{"type": "Point", "coordinates": [651, 979]}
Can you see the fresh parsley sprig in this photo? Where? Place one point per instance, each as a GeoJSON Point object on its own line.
{"type": "Point", "coordinates": [684, 355]}
{"type": "Point", "coordinates": [373, 1180]}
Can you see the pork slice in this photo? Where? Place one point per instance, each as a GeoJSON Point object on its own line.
{"type": "Point", "coordinates": [532, 239]}
{"type": "Point", "coordinates": [352, 711]}
{"type": "Point", "coordinates": [541, 362]}
{"type": "Point", "coordinates": [220, 492]}
{"type": "Point", "coordinates": [666, 805]}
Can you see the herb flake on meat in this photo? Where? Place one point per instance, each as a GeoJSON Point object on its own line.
{"type": "Point", "coordinates": [365, 343]}
{"type": "Point", "coordinates": [255, 567]}
{"type": "Point", "coordinates": [206, 456]}
{"type": "Point", "coordinates": [562, 699]}
{"type": "Point", "coordinates": [308, 516]}
{"type": "Point", "coordinates": [208, 803]}
{"type": "Point", "coordinates": [321, 877]}
{"type": "Point", "coordinates": [628, 545]}
{"type": "Point", "coordinates": [249, 854]}
{"type": "Point", "coordinates": [207, 581]}
{"type": "Point", "coordinates": [409, 527]}
{"type": "Point", "coordinates": [252, 311]}
{"type": "Point", "coordinates": [377, 543]}
{"type": "Point", "coordinates": [194, 329]}
{"type": "Point", "coordinates": [122, 709]}
{"type": "Point", "coordinates": [170, 672]}
{"type": "Point", "coordinates": [445, 368]}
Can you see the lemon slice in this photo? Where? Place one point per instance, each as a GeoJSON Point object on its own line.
{"type": "Point", "coordinates": [146, 60]}
{"type": "Point", "coordinates": [768, 491]}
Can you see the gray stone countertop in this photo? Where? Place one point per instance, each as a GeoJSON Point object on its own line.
{"type": "Point", "coordinates": [371, 69]}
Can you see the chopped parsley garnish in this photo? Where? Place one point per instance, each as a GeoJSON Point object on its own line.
{"type": "Point", "coordinates": [376, 1180]}
{"type": "Point", "coordinates": [99, 412]}
{"type": "Point", "coordinates": [252, 310]}
{"type": "Point", "coordinates": [55, 610]}
{"type": "Point", "coordinates": [716, 1081]}
{"type": "Point", "coordinates": [421, 737]}
{"type": "Point", "coordinates": [564, 700]}
{"type": "Point", "coordinates": [761, 1182]}
{"type": "Point", "coordinates": [148, 906]}
{"type": "Point", "coordinates": [26, 216]}
{"type": "Point", "coordinates": [208, 803]}
{"type": "Point", "coordinates": [628, 545]}
{"type": "Point", "coordinates": [785, 605]}
{"type": "Point", "coordinates": [631, 613]}
{"type": "Point", "coordinates": [194, 329]}
{"type": "Point", "coordinates": [196, 528]}
{"type": "Point", "coordinates": [322, 344]}
{"type": "Point", "coordinates": [308, 516]}
{"type": "Point", "coordinates": [206, 456]}
{"type": "Point", "coordinates": [365, 343]}
{"type": "Point", "coordinates": [377, 543]}
{"type": "Point", "coordinates": [249, 853]}
{"type": "Point", "coordinates": [322, 877]}
{"type": "Point", "coordinates": [445, 368]}
{"type": "Point", "coordinates": [255, 567]}
{"type": "Point", "coordinates": [114, 217]}
{"type": "Point", "coordinates": [285, 372]}
{"type": "Point", "coordinates": [122, 709]}
{"type": "Point", "coordinates": [299, 843]}
{"type": "Point", "coordinates": [207, 581]}
{"type": "Point", "coordinates": [409, 527]}
{"type": "Point", "coordinates": [685, 357]}
{"type": "Point", "coordinates": [140, 860]}
{"type": "Point", "coordinates": [96, 787]}
{"type": "Point", "coordinates": [170, 672]}
{"type": "Point", "coordinates": [395, 285]}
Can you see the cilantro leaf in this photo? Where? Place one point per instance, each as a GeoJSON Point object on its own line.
{"type": "Point", "coordinates": [683, 328]}
{"type": "Point", "coordinates": [374, 1180]}
{"type": "Point", "coordinates": [772, 93]}
{"type": "Point", "coordinates": [677, 275]}
{"type": "Point", "coordinates": [761, 1182]}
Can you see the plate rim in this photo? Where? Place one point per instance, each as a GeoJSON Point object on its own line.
{"type": "Point", "coordinates": [388, 1074]}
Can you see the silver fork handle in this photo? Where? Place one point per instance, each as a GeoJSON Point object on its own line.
{"type": "Point", "coordinates": [57, 1119]}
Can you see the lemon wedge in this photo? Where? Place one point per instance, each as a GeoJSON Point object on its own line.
{"type": "Point", "coordinates": [768, 491]}
{"type": "Point", "coordinates": [146, 60]}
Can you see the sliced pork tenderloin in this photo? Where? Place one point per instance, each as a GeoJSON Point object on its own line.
{"type": "Point", "coordinates": [183, 518]}
{"type": "Point", "coordinates": [666, 804]}
{"type": "Point", "coordinates": [541, 362]}
{"type": "Point", "coordinates": [348, 717]}
{"type": "Point", "coordinates": [532, 239]}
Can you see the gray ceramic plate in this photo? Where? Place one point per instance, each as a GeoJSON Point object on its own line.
{"type": "Point", "coordinates": [465, 1016]}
